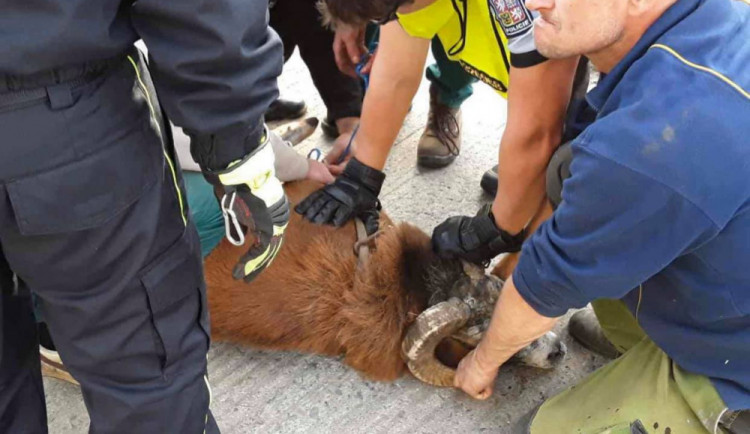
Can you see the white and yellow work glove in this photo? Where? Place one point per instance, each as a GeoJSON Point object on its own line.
{"type": "Point", "coordinates": [254, 198]}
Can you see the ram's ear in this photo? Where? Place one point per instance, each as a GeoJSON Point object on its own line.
{"type": "Point", "coordinates": [475, 272]}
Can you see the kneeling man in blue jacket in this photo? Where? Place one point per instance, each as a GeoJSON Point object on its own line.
{"type": "Point", "coordinates": [653, 225]}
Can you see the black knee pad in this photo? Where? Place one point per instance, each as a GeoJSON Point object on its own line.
{"type": "Point", "coordinates": [558, 171]}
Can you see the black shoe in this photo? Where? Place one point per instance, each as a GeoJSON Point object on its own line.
{"type": "Point", "coordinates": [329, 128]}
{"type": "Point", "coordinates": [489, 181]}
{"type": "Point", "coordinates": [285, 109]}
{"type": "Point", "coordinates": [585, 328]}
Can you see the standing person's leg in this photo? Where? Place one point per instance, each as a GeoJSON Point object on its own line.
{"type": "Point", "coordinates": [93, 219]}
{"type": "Point", "coordinates": [450, 86]}
{"type": "Point", "coordinates": [22, 407]}
{"type": "Point", "coordinates": [279, 21]}
{"type": "Point", "coordinates": [452, 82]}
{"type": "Point", "coordinates": [341, 94]}
{"type": "Point", "coordinates": [284, 27]}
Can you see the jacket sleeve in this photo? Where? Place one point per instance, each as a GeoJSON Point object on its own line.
{"type": "Point", "coordinates": [615, 228]}
{"type": "Point", "coordinates": [214, 65]}
{"type": "Point", "coordinates": [517, 24]}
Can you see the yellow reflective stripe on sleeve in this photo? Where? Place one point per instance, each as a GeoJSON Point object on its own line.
{"type": "Point", "coordinates": [265, 258]}
{"type": "Point", "coordinates": [279, 230]}
{"type": "Point", "coordinates": [144, 89]}
{"type": "Point", "coordinates": [716, 74]}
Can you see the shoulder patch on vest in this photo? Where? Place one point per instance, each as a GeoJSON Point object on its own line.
{"type": "Point", "coordinates": [512, 15]}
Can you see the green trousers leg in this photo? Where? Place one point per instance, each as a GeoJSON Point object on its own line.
{"type": "Point", "coordinates": [643, 384]}
{"type": "Point", "coordinates": [453, 82]}
{"type": "Point", "coordinates": [205, 211]}
{"type": "Point", "coordinates": [619, 325]}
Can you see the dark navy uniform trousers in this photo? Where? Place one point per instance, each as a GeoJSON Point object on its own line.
{"type": "Point", "coordinates": [94, 221]}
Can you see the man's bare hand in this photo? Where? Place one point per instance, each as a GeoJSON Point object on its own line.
{"type": "Point", "coordinates": [318, 171]}
{"type": "Point", "coordinates": [474, 378]}
{"type": "Point", "coordinates": [349, 47]}
{"type": "Point", "coordinates": [333, 160]}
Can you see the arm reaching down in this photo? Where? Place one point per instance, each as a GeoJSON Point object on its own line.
{"type": "Point", "coordinates": [394, 80]}
{"type": "Point", "coordinates": [215, 64]}
{"type": "Point", "coordinates": [515, 324]}
{"type": "Point", "coordinates": [537, 101]}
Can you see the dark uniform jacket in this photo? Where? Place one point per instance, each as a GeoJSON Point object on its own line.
{"type": "Point", "coordinates": [214, 62]}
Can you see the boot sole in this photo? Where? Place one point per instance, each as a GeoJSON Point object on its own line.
{"type": "Point", "coordinates": [435, 162]}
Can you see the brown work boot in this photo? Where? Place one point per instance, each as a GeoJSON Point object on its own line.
{"type": "Point", "coordinates": [585, 328]}
{"type": "Point", "coordinates": [440, 143]}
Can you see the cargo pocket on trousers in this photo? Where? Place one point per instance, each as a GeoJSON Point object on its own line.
{"type": "Point", "coordinates": [176, 293]}
{"type": "Point", "coordinates": [90, 191]}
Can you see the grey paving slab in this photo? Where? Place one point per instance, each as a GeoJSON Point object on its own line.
{"type": "Point", "coordinates": [271, 392]}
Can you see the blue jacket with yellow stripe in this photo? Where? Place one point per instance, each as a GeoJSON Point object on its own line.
{"type": "Point", "coordinates": [657, 209]}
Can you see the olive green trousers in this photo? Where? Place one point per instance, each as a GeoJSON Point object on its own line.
{"type": "Point", "coordinates": [643, 384]}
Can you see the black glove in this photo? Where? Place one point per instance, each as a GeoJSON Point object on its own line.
{"type": "Point", "coordinates": [253, 199]}
{"type": "Point", "coordinates": [475, 239]}
{"type": "Point", "coordinates": [353, 194]}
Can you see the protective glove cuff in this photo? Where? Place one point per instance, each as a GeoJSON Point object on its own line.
{"type": "Point", "coordinates": [261, 159]}
{"type": "Point", "coordinates": [214, 151]}
{"type": "Point", "coordinates": [370, 178]}
{"type": "Point", "coordinates": [256, 171]}
{"type": "Point", "coordinates": [498, 240]}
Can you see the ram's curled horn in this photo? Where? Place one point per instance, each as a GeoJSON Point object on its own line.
{"type": "Point", "coordinates": [432, 326]}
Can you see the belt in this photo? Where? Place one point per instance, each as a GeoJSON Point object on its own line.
{"type": "Point", "coordinates": [55, 84]}
{"type": "Point", "coordinates": [64, 74]}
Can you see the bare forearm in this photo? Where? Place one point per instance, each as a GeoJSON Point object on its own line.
{"type": "Point", "coordinates": [383, 113]}
{"type": "Point", "coordinates": [514, 325]}
{"type": "Point", "coordinates": [522, 179]}
{"type": "Point", "coordinates": [394, 81]}
{"type": "Point", "coordinates": [537, 102]}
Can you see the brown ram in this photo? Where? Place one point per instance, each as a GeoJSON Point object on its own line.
{"type": "Point", "coordinates": [392, 309]}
